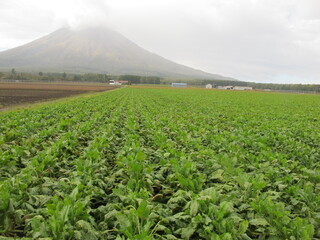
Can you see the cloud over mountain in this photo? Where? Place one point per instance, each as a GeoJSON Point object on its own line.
{"type": "Point", "coordinates": [93, 49]}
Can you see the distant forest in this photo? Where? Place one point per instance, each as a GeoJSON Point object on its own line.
{"type": "Point", "coordinates": [312, 88]}
{"type": "Point", "coordinates": [87, 77]}
{"type": "Point", "coordinates": [135, 79]}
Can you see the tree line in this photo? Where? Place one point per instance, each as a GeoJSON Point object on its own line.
{"type": "Point", "coordinates": [86, 77]}
{"type": "Point", "coordinates": [14, 75]}
{"type": "Point", "coordinates": [315, 88]}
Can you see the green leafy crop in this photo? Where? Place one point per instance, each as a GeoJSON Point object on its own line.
{"type": "Point", "coordinates": [162, 164]}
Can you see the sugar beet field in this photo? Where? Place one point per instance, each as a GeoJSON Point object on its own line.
{"type": "Point", "coordinates": [162, 164]}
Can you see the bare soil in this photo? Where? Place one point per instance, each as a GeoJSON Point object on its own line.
{"type": "Point", "coordinates": [20, 93]}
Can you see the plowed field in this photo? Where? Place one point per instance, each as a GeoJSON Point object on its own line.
{"type": "Point", "coordinates": [20, 93]}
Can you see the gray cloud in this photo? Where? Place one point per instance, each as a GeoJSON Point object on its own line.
{"type": "Point", "coordinates": [263, 41]}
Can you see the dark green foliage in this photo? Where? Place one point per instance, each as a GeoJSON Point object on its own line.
{"type": "Point", "coordinates": [163, 164]}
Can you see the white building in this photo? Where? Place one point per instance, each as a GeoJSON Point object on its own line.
{"type": "Point", "coordinates": [228, 87]}
{"type": "Point", "coordinates": [209, 86]}
{"type": "Point", "coordinates": [113, 82]}
{"type": "Point", "coordinates": [241, 88]}
{"type": "Point", "coordinates": [179, 85]}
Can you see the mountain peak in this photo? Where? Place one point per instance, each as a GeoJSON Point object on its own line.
{"type": "Point", "coordinates": [95, 50]}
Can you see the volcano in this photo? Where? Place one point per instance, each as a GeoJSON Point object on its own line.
{"type": "Point", "coordinates": [94, 50]}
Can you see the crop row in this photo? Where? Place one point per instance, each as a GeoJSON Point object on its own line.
{"type": "Point", "coordinates": [163, 164]}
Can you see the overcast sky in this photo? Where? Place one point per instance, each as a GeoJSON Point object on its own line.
{"type": "Point", "coordinates": [252, 40]}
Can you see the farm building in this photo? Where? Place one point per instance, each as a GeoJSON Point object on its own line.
{"type": "Point", "coordinates": [123, 82]}
{"type": "Point", "coordinates": [228, 87]}
{"type": "Point", "coordinates": [120, 82]}
{"type": "Point", "coordinates": [178, 85]}
{"type": "Point", "coordinates": [242, 88]}
{"type": "Point", "coordinates": [113, 82]}
{"type": "Point", "coordinates": [209, 86]}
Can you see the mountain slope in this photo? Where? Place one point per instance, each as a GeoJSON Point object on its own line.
{"type": "Point", "coordinates": [97, 50]}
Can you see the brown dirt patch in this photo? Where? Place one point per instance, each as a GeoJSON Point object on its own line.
{"type": "Point", "coordinates": [20, 93]}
